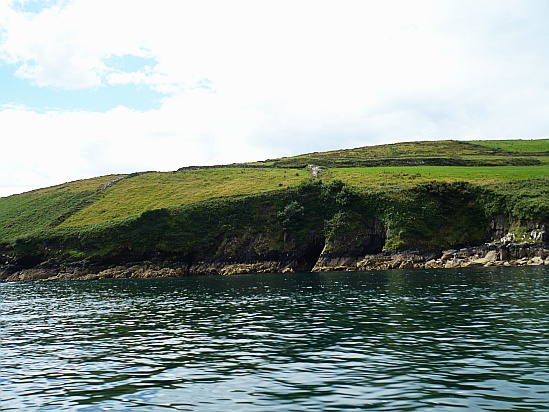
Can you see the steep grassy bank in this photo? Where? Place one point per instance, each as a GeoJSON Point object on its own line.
{"type": "Point", "coordinates": [295, 225]}
{"type": "Point", "coordinates": [41, 210]}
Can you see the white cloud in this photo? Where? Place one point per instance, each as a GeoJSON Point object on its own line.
{"type": "Point", "coordinates": [45, 149]}
{"type": "Point", "coordinates": [283, 77]}
{"type": "Point", "coordinates": [66, 45]}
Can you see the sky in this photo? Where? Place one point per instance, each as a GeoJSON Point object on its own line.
{"type": "Point", "coordinates": [96, 87]}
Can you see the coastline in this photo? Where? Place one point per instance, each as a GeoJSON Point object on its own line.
{"type": "Point", "coordinates": [511, 254]}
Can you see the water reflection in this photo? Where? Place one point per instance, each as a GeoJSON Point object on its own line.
{"type": "Point", "coordinates": [420, 340]}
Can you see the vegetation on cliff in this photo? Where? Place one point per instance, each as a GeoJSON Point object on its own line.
{"type": "Point", "coordinates": [422, 195]}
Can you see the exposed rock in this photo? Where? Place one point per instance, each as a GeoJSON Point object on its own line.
{"type": "Point", "coordinates": [347, 249]}
{"type": "Point", "coordinates": [478, 262]}
{"type": "Point", "coordinates": [486, 255]}
{"type": "Point", "coordinates": [448, 254]}
{"type": "Point", "coordinates": [315, 170]}
{"type": "Point", "coordinates": [498, 228]}
{"type": "Point", "coordinates": [491, 256]}
{"type": "Point", "coordinates": [535, 261]}
{"type": "Point", "coordinates": [226, 269]}
{"type": "Point", "coordinates": [537, 231]}
{"type": "Point", "coordinates": [406, 264]}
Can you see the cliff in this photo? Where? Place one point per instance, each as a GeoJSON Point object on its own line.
{"type": "Point", "coordinates": [314, 226]}
{"type": "Point", "coordinates": [278, 215]}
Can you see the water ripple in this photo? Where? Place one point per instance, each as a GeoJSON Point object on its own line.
{"type": "Point", "coordinates": [420, 340]}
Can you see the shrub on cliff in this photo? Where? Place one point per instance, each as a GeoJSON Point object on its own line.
{"type": "Point", "coordinates": [437, 215]}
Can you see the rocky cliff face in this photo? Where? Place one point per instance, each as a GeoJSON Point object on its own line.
{"type": "Point", "coordinates": [505, 248]}
{"type": "Point", "coordinates": [515, 254]}
{"type": "Point", "coordinates": [350, 243]}
{"type": "Point", "coordinates": [314, 227]}
{"type": "Point", "coordinates": [353, 246]}
{"type": "Point", "coordinates": [358, 244]}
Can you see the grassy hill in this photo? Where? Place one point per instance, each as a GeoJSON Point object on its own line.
{"type": "Point", "coordinates": [508, 177]}
{"type": "Point", "coordinates": [436, 153]}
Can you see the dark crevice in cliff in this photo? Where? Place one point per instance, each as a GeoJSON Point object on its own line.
{"type": "Point", "coordinates": [311, 254]}
{"type": "Point", "coordinates": [377, 238]}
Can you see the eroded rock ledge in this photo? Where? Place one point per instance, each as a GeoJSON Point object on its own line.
{"type": "Point", "coordinates": [143, 271]}
{"type": "Point", "coordinates": [519, 254]}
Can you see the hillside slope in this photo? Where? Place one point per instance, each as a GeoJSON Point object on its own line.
{"type": "Point", "coordinates": [421, 195]}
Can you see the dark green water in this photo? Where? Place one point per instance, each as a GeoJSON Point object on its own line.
{"type": "Point", "coordinates": [388, 341]}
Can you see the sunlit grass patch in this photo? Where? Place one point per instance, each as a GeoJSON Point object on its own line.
{"type": "Point", "coordinates": [160, 190]}
{"type": "Point", "coordinates": [383, 168]}
{"type": "Point", "coordinates": [411, 175]}
{"type": "Point", "coordinates": [516, 146]}
{"type": "Point", "coordinates": [92, 184]}
{"type": "Point", "coordinates": [42, 209]}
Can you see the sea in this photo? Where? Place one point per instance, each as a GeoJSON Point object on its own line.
{"type": "Point", "coordinates": [401, 340]}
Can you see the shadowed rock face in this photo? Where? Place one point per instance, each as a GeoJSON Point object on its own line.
{"type": "Point", "coordinates": [352, 245]}
{"type": "Point", "coordinates": [500, 231]}
{"type": "Point", "coordinates": [253, 249]}
{"type": "Point", "coordinates": [361, 249]}
{"type": "Point", "coordinates": [356, 245]}
{"type": "Point", "coordinates": [499, 227]}
{"type": "Point", "coordinates": [537, 231]}
{"type": "Point", "coordinates": [523, 254]}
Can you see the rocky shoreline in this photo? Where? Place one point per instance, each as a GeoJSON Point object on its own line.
{"type": "Point", "coordinates": [513, 254]}
{"type": "Point", "coordinates": [142, 271]}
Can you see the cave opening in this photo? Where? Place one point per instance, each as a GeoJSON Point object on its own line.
{"type": "Point", "coordinates": [311, 254]}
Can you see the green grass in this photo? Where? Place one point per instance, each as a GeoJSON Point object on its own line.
{"type": "Point", "coordinates": [149, 191]}
{"type": "Point", "coordinates": [412, 175]}
{"type": "Point", "coordinates": [43, 209]}
{"type": "Point", "coordinates": [76, 186]}
{"type": "Point", "coordinates": [406, 149]}
{"type": "Point", "coordinates": [516, 146]}
{"type": "Point", "coordinates": [162, 190]}
{"type": "Point", "coordinates": [83, 202]}
{"type": "Point", "coordinates": [442, 152]}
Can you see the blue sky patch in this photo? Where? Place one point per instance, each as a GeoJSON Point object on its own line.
{"type": "Point", "coordinates": [129, 63]}
{"type": "Point", "coordinates": [14, 90]}
{"type": "Point", "coordinates": [36, 6]}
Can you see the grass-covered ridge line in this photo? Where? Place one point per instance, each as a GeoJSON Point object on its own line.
{"type": "Point", "coordinates": [277, 210]}
{"type": "Point", "coordinates": [434, 153]}
{"type": "Point", "coordinates": [539, 146]}
{"type": "Point", "coordinates": [296, 223]}
{"type": "Point", "coordinates": [160, 190]}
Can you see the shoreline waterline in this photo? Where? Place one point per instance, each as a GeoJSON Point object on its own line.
{"type": "Point", "coordinates": [508, 255]}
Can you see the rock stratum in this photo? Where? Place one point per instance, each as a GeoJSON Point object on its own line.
{"type": "Point", "coordinates": [522, 254]}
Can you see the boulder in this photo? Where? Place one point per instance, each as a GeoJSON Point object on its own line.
{"type": "Point", "coordinates": [491, 256]}
{"type": "Point", "coordinates": [478, 262]}
{"type": "Point", "coordinates": [406, 264]}
{"type": "Point", "coordinates": [448, 254]}
{"type": "Point", "coordinates": [535, 261]}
